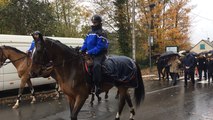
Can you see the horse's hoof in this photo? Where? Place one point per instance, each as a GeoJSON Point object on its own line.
{"type": "Point", "coordinates": [132, 111]}
{"type": "Point", "coordinates": [99, 99]}
{"type": "Point", "coordinates": [32, 102]}
{"type": "Point", "coordinates": [15, 106]}
{"type": "Point", "coordinates": [57, 96]}
{"type": "Point", "coordinates": [106, 96]}
{"type": "Point", "coordinates": [117, 118]}
{"type": "Point", "coordinates": [131, 118]}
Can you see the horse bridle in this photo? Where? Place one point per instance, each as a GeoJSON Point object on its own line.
{"type": "Point", "coordinates": [3, 57]}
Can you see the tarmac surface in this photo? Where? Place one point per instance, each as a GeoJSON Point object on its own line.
{"type": "Point", "coordinates": [162, 102]}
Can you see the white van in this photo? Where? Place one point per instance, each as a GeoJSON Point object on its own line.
{"type": "Point", "coordinates": [8, 74]}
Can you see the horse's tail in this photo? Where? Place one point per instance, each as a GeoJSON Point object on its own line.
{"type": "Point", "coordinates": [139, 92]}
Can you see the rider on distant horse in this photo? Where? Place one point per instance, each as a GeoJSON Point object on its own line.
{"type": "Point", "coordinates": [36, 36]}
{"type": "Point", "coordinates": [96, 45]}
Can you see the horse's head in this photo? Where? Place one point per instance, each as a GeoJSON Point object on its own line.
{"type": "Point", "coordinates": [41, 64]}
{"type": "Point", "coordinates": [3, 58]}
{"type": "Point", "coordinates": [52, 50]}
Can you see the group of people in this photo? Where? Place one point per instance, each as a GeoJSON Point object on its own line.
{"type": "Point", "coordinates": [95, 45]}
{"type": "Point", "coordinates": [191, 64]}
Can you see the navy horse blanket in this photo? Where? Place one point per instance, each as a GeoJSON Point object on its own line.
{"type": "Point", "coordinates": [120, 70]}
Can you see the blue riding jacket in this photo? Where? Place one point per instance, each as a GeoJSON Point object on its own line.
{"type": "Point", "coordinates": [32, 46]}
{"type": "Point", "coordinates": [95, 42]}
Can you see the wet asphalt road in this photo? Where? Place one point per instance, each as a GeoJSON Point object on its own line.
{"type": "Point", "coordinates": [162, 102]}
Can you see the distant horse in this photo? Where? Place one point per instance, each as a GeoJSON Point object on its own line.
{"type": "Point", "coordinates": [70, 73]}
{"type": "Point", "coordinates": [22, 63]}
{"type": "Point", "coordinates": [162, 68]}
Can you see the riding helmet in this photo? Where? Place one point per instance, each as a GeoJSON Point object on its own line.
{"type": "Point", "coordinates": [96, 18]}
{"type": "Point", "coordinates": [36, 33]}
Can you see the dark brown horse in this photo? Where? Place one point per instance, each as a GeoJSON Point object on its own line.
{"type": "Point", "coordinates": [70, 73]}
{"type": "Point", "coordinates": [22, 63]}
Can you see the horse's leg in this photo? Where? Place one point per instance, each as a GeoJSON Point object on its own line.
{"type": "Point", "coordinates": [99, 98]}
{"type": "Point", "coordinates": [71, 104]}
{"type": "Point", "coordinates": [122, 102]}
{"type": "Point", "coordinates": [21, 88]}
{"type": "Point", "coordinates": [159, 73]}
{"type": "Point", "coordinates": [57, 90]}
{"type": "Point", "coordinates": [29, 83]}
{"type": "Point", "coordinates": [106, 95]}
{"type": "Point", "coordinates": [79, 102]}
{"type": "Point", "coordinates": [129, 102]}
{"type": "Point", "coordinates": [92, 98]}
{"type": "Point", "coordinates": [117, 95]}
{"type": "Point", "coordinates": [167, 74]}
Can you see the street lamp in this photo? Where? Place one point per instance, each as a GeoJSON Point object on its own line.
{"type": "Point", "coordinates": [133, 30]}
{"type": "Point", "coordinates": [150, 38]}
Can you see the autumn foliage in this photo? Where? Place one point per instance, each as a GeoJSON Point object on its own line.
{"type": "Point", "coordinates": [170, 21]}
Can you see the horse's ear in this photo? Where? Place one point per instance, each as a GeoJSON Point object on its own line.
{"type": "Point", "coordinates": [42, 38]}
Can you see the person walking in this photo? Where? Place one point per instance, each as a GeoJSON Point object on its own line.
{"type": "Point", "coordinates": [174, 63]}
{"type": "Point", "coordinates": [210, 67]}
{"type": "Point", "coordinates": [189, 63]}
{"type": "Point", "coordinates": [201, 66]}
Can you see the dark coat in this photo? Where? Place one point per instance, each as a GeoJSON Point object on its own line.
{"type": "Point", "coordinates": [201, 63]}
{"type": "Point", "coordinates": [189, 63]}
{"type": "Point", "coordinates": [210, 66]}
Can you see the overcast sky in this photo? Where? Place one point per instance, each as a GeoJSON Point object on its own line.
{"type": "Point", "coordinates": [202, 20]}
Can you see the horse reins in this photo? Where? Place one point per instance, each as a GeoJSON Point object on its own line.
{"type": "Point", "coordinates": [5, 63]}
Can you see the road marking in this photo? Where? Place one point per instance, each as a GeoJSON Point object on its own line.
{"type": "Point", "coordinates": [203, 81]}
{"type": "Point", "coordinates": [155, 91]}
{"type": "Point", "coordinates": [144, 76]}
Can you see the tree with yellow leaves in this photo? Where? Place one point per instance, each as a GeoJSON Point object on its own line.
{"type": "Point", "coordinates": [170, 23]}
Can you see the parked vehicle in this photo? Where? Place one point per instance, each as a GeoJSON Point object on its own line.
{"type": "Point", "coordinates": [8, 75]}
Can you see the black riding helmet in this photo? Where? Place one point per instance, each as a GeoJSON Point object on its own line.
{"type": "Point", "coordinates": [96, 18]}
{"type": "Point", "coordinates": [37, 33]}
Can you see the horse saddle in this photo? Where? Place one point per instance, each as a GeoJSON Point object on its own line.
{"type": "Point", "coordinates": [118, 70]}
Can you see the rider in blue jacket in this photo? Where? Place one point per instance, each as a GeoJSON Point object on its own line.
{"type": "Point", "coordinates": [35, 36]}
{"type": "Point", "coordinates": [96, 45]}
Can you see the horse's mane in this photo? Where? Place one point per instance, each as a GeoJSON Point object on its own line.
{"type": "Point", "coordinates": [64, 47]}
{"type": "Point", "coordinates": [15, 49]}
{"type": "Point", "coordinates": [76, 48]}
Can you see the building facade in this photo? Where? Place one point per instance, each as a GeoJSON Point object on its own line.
{"type": "Point", "coordinates": [202, 46]}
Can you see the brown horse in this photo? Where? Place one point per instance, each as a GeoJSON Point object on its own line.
{"type": "Point", "coordinates": [70, 73]}
{"type": "Point", "coordinates": [22, 63]}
